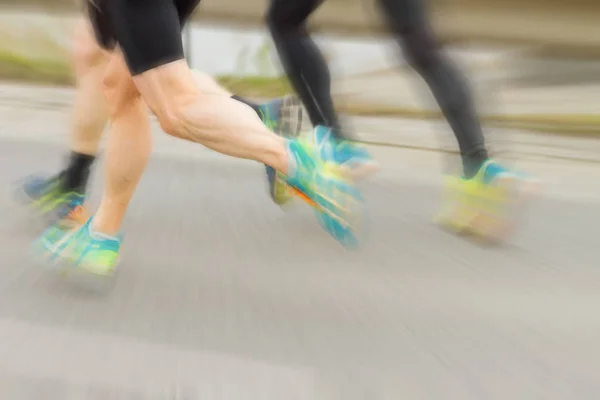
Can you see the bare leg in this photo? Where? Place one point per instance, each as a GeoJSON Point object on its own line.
{"type": "Point", "coordinates": [208, 85]}
{"type": "Point", "coordinates": [173, 91]}
{"type": "Point", "coordinates": [89, 111]}
{"type": "Point", "coordinates": [89, 118]}
{"type": "Point", "coordinates": [128, 149]}
{"type": "Point", "coordinates": [216, 121]}
{"type": "Point", "coordinates": [89, 114]}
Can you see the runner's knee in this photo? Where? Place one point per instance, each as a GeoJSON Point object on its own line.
{"type": "Point", "coordinates": [169, 90]}
{"type": "Point", "coordinates": [119, 88]}
{"type": "Point", "coordinates": [420, 47]}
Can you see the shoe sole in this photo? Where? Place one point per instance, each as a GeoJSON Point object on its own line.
{"type": "Point", "coordinates": [345, 224]}
{"type": "Point", "coordinates": [77, 275]}
{"type": "Point", "coordinates": [84, 278]}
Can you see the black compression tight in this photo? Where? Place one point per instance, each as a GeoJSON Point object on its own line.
{"type": "Point", "coordinates": [307, 70]}
{"type": "Point", "coordinates": [302, 60]}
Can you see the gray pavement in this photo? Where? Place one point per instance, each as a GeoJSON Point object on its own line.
{"type": "Point", "coordinates": [223, 296]}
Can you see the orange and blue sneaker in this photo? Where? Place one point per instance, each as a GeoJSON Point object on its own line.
{"type": "Point", "coordinates": [74, 249]}
{"type": "Point", "coordinates": [321, 184]}
{"type": "Point", "coordinates": [48, 197]}
{"type": "Point", "coordinates": [488, 204]}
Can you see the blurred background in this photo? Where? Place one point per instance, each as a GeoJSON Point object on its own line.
{"type": "Point", "coordinates": [532, 67]}
{"type": "Point", "coordinates": [538, 60]}
{"type": "Point", "coordinates": [241, 301]}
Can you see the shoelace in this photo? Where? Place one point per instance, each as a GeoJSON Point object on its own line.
{"type": "Point", "coordinates": [78, 214]}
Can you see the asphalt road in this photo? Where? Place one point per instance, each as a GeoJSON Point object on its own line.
{"type": "Point", "coordinates": [223, 296]}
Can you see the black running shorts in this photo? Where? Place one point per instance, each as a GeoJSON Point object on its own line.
{"type": "Point", "coordinates": [148, 31]}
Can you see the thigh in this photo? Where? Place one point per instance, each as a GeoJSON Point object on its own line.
{"type": "Point", "coordinates": [404, 16]}
{"type": "Point", "coordinates": [98, 14]}
{"type": "Point", "coordinates": [149, 31]}
{"type": "Point", "coordinates": [291, 12]}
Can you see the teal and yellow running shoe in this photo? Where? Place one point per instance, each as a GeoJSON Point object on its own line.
{"type": "Point", "coordinates": [72, 248]}
{"type": "Point", "coordinates": [48, 197]}
{"type": "Point", "coordinates": [336, 200]}
{"type": "Point", "coordinates": [284, 117]}
{"type": "Point", "coordinates": [488, 204]}
{"type": "Point", "coordinates": [354, 159]}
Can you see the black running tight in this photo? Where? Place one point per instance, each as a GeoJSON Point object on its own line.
{"type": "Point", "coordinates": [309, 74]}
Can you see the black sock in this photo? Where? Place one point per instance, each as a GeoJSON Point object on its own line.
{"type": "Point", "coordinates": [75, 176]}
{"type": "Point", "coordinates": [250, 104]}
{"type": "Point", "coordinates": [473, 162]}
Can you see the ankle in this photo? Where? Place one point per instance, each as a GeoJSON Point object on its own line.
{"type": "Point", "coordinates": [473, 162]}
{"type": "Point", "coordinates": [277, 156]}
{"type": "Point", "coordinates": [103, 225]}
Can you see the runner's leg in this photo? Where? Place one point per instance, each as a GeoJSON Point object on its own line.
{"type": "Point", "coordinates": [303, 62]}
{"type": "Point", "coordinates": [89, 113]}
{"type": "Point", "coordinates": [149, 33]}
{"type": "Point", "coordinates": [307, 70]}
{"type": "Point", "coordinates": [56, 195]}
{"type": "Point", "coordinates": [408, 22]}
{"type": "Point", "coordinates": [128, 148]}
{"type": "Point", "coordinates": [151, 67]}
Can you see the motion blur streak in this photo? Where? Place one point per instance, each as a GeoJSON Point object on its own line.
{"type": "Point", "coordinates": [222, 295]}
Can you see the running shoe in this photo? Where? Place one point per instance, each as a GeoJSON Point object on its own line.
{"type": "Point", "coordinates": [74, 249]}
{"type": "Point", "coordinates": [335, 199]}
{"type": "Point", "coordinates": [284, 117]}
{"type": "Point", "coordinates": [47, 197]}
{"type": "Point", "coordinates": [487, 205]}
{"type": "Point", "coordinates": [355, 160]}
{"type": "Point", "coordinates": [352, 159]}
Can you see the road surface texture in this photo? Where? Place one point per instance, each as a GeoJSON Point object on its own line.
{"type": "Point", "coordinates": [223, 296]}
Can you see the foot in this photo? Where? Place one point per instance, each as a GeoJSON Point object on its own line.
{"type": "Point", "coordinates": [487, 204]}
{"type": "Point", "coordinates": [75, 249]}
{"type": "Point", "coordinates": [284, 117]}
{"type": "Point", "coordinates": [354, 159]}
{"type": "Point", "coordinates": [49, 197]}
{"type": "Point", "coordinates": [336, 201]}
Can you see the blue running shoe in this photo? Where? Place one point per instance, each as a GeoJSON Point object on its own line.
{"type": "Point", "coordinates": [336, 201]}
{"type": "Point", "coordinates": [48, 197]}
{"type": "Point", "coordinates": [75, 249]}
